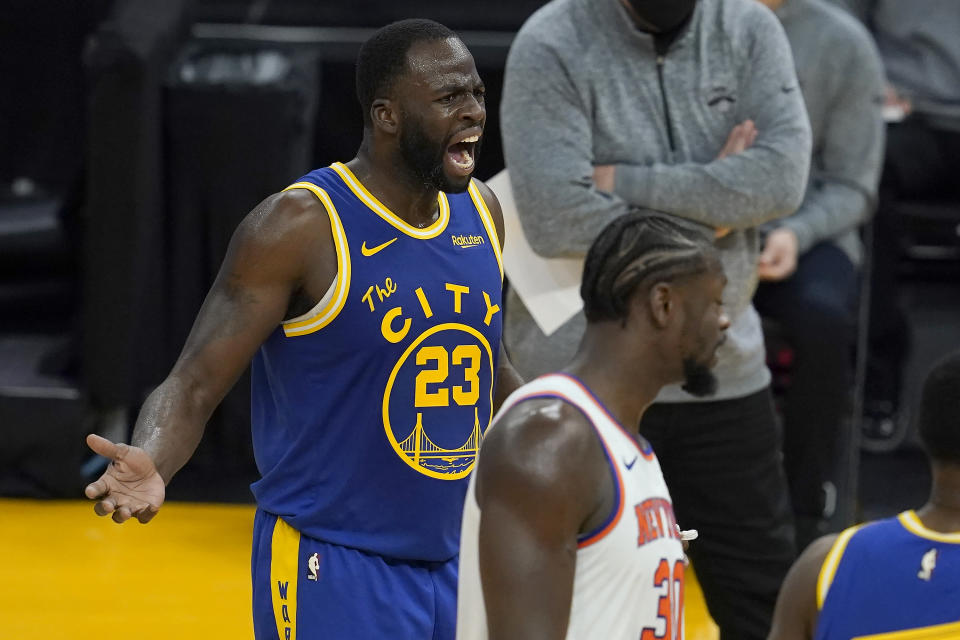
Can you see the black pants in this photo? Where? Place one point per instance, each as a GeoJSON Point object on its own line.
{"type": "Point", "coordinates": [722, 463]}
{"type": "Point", "coordinates": [815, 310]}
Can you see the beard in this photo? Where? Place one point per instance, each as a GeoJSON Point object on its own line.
{"type": "Point", "coordinates": [424, 157]}
{"type": "Point", "coordinates": [699, 380]}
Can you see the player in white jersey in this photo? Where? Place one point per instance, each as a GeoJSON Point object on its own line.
{"type": "Point", "coordinates": [568, 529]}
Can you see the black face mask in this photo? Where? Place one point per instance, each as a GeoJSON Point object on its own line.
{"type": "Point", "coordinates": [663, 15]}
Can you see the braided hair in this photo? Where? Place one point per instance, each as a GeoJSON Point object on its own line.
{"type": "Point", "coordinates": [633, 252]}
{"type": "Point", "coordinates": [383, 57]}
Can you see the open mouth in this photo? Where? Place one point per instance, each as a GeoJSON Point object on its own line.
{"type": "Point", "coordinates": [461, 155]}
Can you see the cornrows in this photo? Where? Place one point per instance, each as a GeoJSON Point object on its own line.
{"type": "Point", "coordinates": [633, 252]}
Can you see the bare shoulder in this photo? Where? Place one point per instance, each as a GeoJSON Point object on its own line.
{"type": "Point", "coordinates": [286, 216]}
{"type": "Point", "coordinates": [493, 205]}
{"type": "Point", "coordinates": [284, 233]}
{"type": "Point", "coordinates": [795, 616]}
{"type": "Point", "coordinates": [544, 444]}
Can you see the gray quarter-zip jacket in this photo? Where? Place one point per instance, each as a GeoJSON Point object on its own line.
{"type": "Point", "coordinates": [582, 88]}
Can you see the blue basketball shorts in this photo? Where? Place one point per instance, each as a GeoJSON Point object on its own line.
{"type": "Point", "coordinates": [305, 589]}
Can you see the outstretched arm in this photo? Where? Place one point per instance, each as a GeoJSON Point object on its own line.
{"type": "Point", "coordinates": [283, 246]}
{"type": "Point", "coordinates": [795, 616]}
{"type": "Point", "coordinates": [536, 486]}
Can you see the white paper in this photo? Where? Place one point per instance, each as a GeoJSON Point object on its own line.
{"type": "Point", "coordinates": [549, 287]}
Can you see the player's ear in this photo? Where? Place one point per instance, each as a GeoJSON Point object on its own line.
{"type": "Point", "coordinates": [662, 304]}
{"type": "Point", "coordinates": [383, 113]}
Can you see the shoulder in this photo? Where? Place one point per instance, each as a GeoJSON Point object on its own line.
{"type": "Point", "coordinates": [553, 18]}
{"type": "Point", "coordinates": [845, 36]}
{"type": "Point", "coordinates": [555, 29]}
{"type": "Point", "coordinates": [543, 444]}
{"type": "Point", "coordinates": [740, 19]}
{"type": "Point", "coordinates": [744, 30]}
{"type": "Point", "coordinates": [285, 213]}
{"type": "Point", "coordinates": [797, 610]}
{"type": "Point", "coordinates": [285, 226]}
{"type": "Point", "coordinates": [493, 206]}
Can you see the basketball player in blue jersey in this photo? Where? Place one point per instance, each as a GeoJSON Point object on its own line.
{"type": "Point", "coordinates": [568, 528]}
{"type": "Point", "coordinates": [368, 297]}
{"type": "Point", "coordinates": [897, 578]}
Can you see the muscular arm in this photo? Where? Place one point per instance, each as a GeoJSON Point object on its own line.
{"type": "Point", "coordinates": [763, 182]}
{"type": "Point", "coordinates": [535, 493]}
{"type": "Point", "coordinates": [508, 380]}
{"type": "Point", "coordinates": [795, 616]}
{"type": "Point", "coordinates": [846, 167]}
{"type": "Point", "coordinates": [267, 261]}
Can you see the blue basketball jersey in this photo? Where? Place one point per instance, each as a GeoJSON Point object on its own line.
{"type": "Point", "coordinates": [367, 412]}
{"type": "Point", "coordinates": [893, 577]}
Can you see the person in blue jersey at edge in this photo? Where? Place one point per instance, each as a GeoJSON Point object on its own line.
{"type": "Point", "coordinates": [893, 578]}
{"type": "Point", "coordinates": [368, 297]}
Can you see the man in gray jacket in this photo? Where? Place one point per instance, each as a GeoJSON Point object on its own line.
{"type": "Point", "coordinates": [919, 44]}
{"type": "Point", "coordinates": [691, 108]}
{"type": "Point", "coordinates": [808, 267]}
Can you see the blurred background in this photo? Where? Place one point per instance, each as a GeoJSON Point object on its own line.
{"type": "Point", "coordinates": [134, 135]}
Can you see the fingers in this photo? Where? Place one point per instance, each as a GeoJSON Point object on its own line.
{"type": "Point", "coordinates": [146, 514]}
{"type": "Point", "coordinates": [105, 507]}
{"type": "Point", "coordinates": [740, 138]}
{"type": "Point", "coordinates": [104, 447]}
{"type": "Point", "coordinates": [96, 489]}
{"type": "Point", "coordinates": [143, 512]}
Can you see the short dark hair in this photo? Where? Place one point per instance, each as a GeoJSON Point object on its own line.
{"type": "Point", "coordinates": [939, 421]}
{"type": "Point", "coordinates": [383, 57]}
{"type": "Point", "coordinates": [635, 251]}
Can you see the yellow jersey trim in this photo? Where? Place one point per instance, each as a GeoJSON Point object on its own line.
{"type": "Point", "coordinates": [911, 522]}
{"type": "Point", "coordinates": [284, 551]}
{"type": "Point", "coordinates": [412, 457]}
{"type": "Point", "coordinates": [487, 223]}
{"type": "Point", "coordinates": [323, 314]}
{"type": "Point", "coordinates": [381, 210]}
{"type": "Point", "coordinates": [830, 564]}
{"type": "Point", "coordinates": [948, 631]}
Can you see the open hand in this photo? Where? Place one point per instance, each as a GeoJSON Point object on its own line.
{"type": "Point", "coordinates": [130, 486]}
{"type": "Point", "coordinates": [779, 257]}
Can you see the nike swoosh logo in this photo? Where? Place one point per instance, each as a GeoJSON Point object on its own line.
{"type": "Point", "coordinates": [372, 250]}
{"type": "Point", "coordinates": [788, 88]}
{"type": "Point", "coordinates": [629, 465]}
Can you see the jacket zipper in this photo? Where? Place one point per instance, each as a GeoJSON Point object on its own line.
{"type": "Point", "coordinates": [666, 107]}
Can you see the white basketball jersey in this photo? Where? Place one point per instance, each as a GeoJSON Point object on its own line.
{"type": "Point", "coordinates": [629, 573]}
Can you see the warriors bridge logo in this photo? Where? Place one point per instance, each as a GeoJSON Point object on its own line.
{"type": "Point", "coordinates": [438, 397]}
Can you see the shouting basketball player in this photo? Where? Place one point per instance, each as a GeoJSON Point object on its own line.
{"type": "Point", "coordinates": [568, 528]}
{"type": "Point", "coordinates": [368, 296]}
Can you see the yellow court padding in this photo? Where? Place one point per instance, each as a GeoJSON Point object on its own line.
{"type": "Point", "coordinates": [66, 574]}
